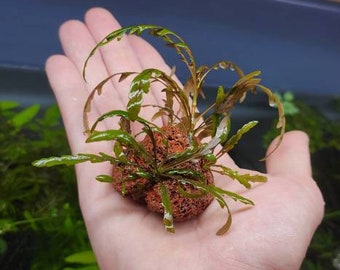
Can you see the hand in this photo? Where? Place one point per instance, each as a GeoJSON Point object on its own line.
{"type": "Point", "coordinates": [274, 234]}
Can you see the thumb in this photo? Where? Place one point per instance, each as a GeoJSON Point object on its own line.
{"type": "Point", "coordinates": [291, 157]}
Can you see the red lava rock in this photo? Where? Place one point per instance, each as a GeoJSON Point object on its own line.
{"type": "Point", "coordinates": [172, 140]}
{"type": "Point", "coordinates": [183, 208]}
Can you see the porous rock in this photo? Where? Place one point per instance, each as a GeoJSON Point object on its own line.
{"type": "Point", "coordinates": [172, 140]}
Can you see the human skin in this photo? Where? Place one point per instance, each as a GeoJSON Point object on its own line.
{"type": "Point", "coordinates": [274, 234]}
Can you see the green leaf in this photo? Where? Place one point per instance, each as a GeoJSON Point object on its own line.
{"type": "Point", "coordinates": [175, 159]}
{"type": "Point", "coordinates": [166, 202]}
{"type": "Point", "coordinates": [290, 108]}
{"type": "Point", "coordinates": [193, 195]}
{"type": "Point", "coordinates": [171, 38]}
{"type": "Point", "coordinates": [186, 173]}
{"type": "Point", "coordinates": [216, 192]}
{"type": "Point", "coordinates": [115, 135]}
{"type": "Point", "coordinates": [223, 129]}
{"type": "Point", "coordinates": [7, 225]}
{"type": "Point", "coordinates": [124, 138]}
{"type": "Point", "coordinates": [288, 96]}
{"type": "Point", "coordinates": [140, 173]}
{"type": "Point", "coordinates": [3, 246]}
{"type": "Point", "coordinates": [30, 219]}
{"type": "Point", "coordinates": [119, 152]}
{"type": "Point", "coordinates": [25, 116]}
{"type": "Point", "coordinates": [139, 86]}
{"type": "Point", "coordinates": [215, 121]}
{"type": "Point", "coordinates": [231, 194]}
{"type": "Point", "coordinates": [8, 105]}
{"type": "Point", "coordinates": [104, 178]}
{"type": "Point", "coordinates": [210, 158]}
{"type": "Point", "coordinates": [52, 115]}
{"type": "Point", "coordinates": [84, 257]}
{"type": "Point", "coordinates": [87, 267]}
{"type": "Point", "coordinates": [243, 179]}
{"type": "Point", "coordinates": [112, 134]}
{"type": "Point", "coordinates": [230, 144]}
{"type": "Point", "coordinates": [220, 97]}
{"type": "Point", "coordinates": [220, 137]}
{"type": "Point", "coordinates": [119, 113]}
{"type": "Point", "coordinates": [68, 160]}
{"type": "Point", "coordinates": [287, 100]}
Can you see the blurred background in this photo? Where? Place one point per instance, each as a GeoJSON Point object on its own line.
{"type": "Point", "coordinates": [295, 43]}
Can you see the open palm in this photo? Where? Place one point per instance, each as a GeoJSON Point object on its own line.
{"type": "Point", "coordinates": [274, 234]}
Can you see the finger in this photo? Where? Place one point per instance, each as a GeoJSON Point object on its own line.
{"type": "Point", "coordinates": [77, 43]}
{"type": "Point", "coordinates": [150, 58]}
{"type": "Point", "coordinates": [118, 56]}
{"type": "Point", "coordinates": [71, 94]}
{"type": "Point", "coordinates": [291, 157]}
{"type": "Point", "coordinates": [68, 88]}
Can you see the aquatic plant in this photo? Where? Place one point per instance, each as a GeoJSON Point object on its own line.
{"type": "Point", "coordinates": [170, 168]}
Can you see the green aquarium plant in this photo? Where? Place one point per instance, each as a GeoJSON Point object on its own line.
{"type": "Point", "coordinates": [40, 221]}
{"type": "Point", "coordinates": [305, 113]}
{"type": "Point", "coordinates": [170, 168]}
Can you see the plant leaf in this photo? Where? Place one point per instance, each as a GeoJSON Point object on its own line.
{"type": "Point", "coordinates": [113, 135]}
{"type": "Point", "coordinates": [186, 194]}
{"type": "Point", "coordinates": [186, 173]}
{"type": "Point", "coordinates": [84, 257]}
{"type": "Point", "coordinates": [119, 113]}
{"type": "Point", "coordinates": [238, 91]}
{"type": "Point", "coordinates": [220, 96]}
{"type": "Point", "coordinates": [25, 116]}
{"type": "Point", "coordinates": [216, 192]}
{"type": "Point", "coordinates": [52, 115]}
{"type": "Point", "coordinates": [226, 65]}
{"type": "Point", "coordinates": [8, 105]}
{"type": "Point", "coordinates": [233, 140]}
{"type": "Point", "coordinates": [139, 86]}
{"type": "Point", "coordinates": [7, 225]}
{"type": "Point", "coordinates": [179, 158]}
{"type": "Point", "coordinates": [243, 179]}
{"type": "Point", "coordinates": [221, 135]}
{"type": "Point", "coordinates": [119, 152]}
{"type": "Point", "coordinates": [171, 38]}
{"type": "Point", "coordinates": [231, 194]}
{"type": "Point", "coordinates": [166, 202]}
{"type": "Point", "coordinates": [104, 178]}
{"type": "Point", "coordinates": [98, 90]}
{"type": "Point", "coordinates": [68, 160]}
{"type": "Point", "coordinates": [225, 228]}
{"type": "Point", "coordinates": [281, 123]}
{"type": "Point", "coordinates": [122, 137]}
{"type": "Point", "coordinates": [218, 195]}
